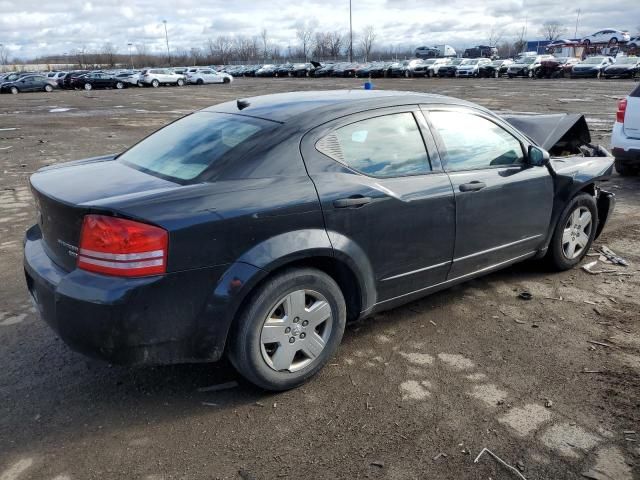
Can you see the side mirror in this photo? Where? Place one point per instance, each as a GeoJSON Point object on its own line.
{"type": "Point", "coordinates": [537, 156]}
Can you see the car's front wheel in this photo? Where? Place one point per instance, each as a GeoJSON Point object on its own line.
{"type": "Point", "coordinates": [574, 232]}
{"type": "Point", "coordinates": [624, 169]}
{"type": "Point", "coordinates": [289, 329]}
{"type": "Point", "coordinates": [180, 82]}
{"type": "Point", "coordinates": [48, 88]}
{"type": "Point", "coordinates": [119, 85]}
{"type": "Point", "coordinates": [14, 90]}
{"type": "Point", "coordinates": [88, 86]}
{"type": "Point", "coordinates": [155, 83]}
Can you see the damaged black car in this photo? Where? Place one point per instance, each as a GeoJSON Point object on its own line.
{"type": "Point", "coordinates": [257, 228]}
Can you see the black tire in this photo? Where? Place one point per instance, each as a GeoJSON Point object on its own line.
{"type": "Point", "coordinates": [613, 41]}
{"type": "Point", "coordinates": [226, 80]}
{"type": "Point", "coordinates": [200, 81]}
{"type": "Point", "coordinates": [556, 255]}
{"type": "Point", "coordinates": [245, 349]}
{"type": "Point", "coordinates": [48, 88]}
{"type": "Point", "coordinates": [624, 169]}
{"type": "Point", "coordinates": [119, 85]}
{"type": "Point", "coordinates": [180, 82]}
{"type": "Point", "coordinates": [155, 83]}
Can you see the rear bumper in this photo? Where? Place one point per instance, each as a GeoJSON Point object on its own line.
{"type": "Point", "coordinates": [624, 148]}
{"type": "Point", "coordinates": [174, 318]}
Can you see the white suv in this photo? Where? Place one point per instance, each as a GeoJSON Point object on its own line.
{"type": "Point", "coordinates": [200, 76]}
{"type": "Point", "coordinates": [625, 139]}
{"type": "Point", "coordinates": [161, 76]}
{"type": "Point", "coordinates": [471, 67]}
{"type": "Point", "coordinates": [432, 71]}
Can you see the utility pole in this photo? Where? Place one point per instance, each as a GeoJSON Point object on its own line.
{"type": "Point", "coordinates": [575, 34]}
{"type": "Point", "coordinates": [350, 34]}
{"type": "Point", "coordinates": [166, 37]}
{"type": "Point", "coordinates": [130, 56]}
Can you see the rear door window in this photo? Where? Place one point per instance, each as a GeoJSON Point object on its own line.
{"type": "Point", "coordinates": [385, 146]}
{"type": "Point", "coordinates": [186, 148]}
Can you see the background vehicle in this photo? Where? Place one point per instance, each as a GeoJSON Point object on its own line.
{"type": "Point", "coordinates": [267, 71]}
{"type": "Point", "coordinates": [624, 67]}
{"type": "Point", "coordinates": [303, 69]}
{"type": "Point", "coordinates": [450, 69]}
{"type": "Point", "coordinates": [434, 68]}
{"type": "Point", "coordinates": [527, 66]}
{"type": "Point", "coordinates": [130, 78]}
{"type": "Point", "coordinates": [556, 67]}
{"type": "Point", "coordinates": [405, 68]}
{"type": "Point", "coordinates": [339, 239]}
{"type": "Point", "coordinates": [471, 67]}
{"type": "Point", "coordinates": [99, 80]}
{"type": "Point", "coordinates": [608, 35]}
{"type": "Point", "coordinates": [625, 138]}
{"type": "Point", "coordinates": [55, 76]}
{"type": "Point", "coordinates": [493, 69]}
{"type": "Point", "coordinates": [28, 83]}
{"type": "Point", "coordinates": [436, 51]}
{"type": "Point", "coordinates": [481, 51]}
{"type": "Point", "coordinates": [200, 76]}
{"type": "Point", "coordinates": [154, 77]}
{"type": "Point", "coordinates": [591, 67]}
{"type": "Point", "coordinates": [69, 80]}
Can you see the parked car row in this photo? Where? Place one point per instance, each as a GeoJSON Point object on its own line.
{"type": "Point", "coordinates": [18, 82]}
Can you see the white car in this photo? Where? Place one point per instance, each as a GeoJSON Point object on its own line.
{"type": "Point", "coordinates": [608, 35]}
{"type": "Point", "coordinates": [471, 67]}
{"type": "Point", "coordinates": [432, 71]}
{"type": "Point", "coordinates": [155, 77]}
{"type": "Point", "coordinates": [200, 76]}
{"type": "Point", "coordinates": [55, 76]}
{"type": "Point", "coordinates": [131, 78]}
{"type": "Point", "coordinates": [625, 138]}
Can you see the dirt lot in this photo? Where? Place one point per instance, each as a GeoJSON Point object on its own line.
{"type": "Point", "coordinates": [416, 392]}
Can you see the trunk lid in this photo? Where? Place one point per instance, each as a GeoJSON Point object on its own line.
{"type": "Point", "coordinates": [65, 193]}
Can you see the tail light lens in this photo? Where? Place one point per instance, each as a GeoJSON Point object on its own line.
{"type": "Point", "coordinates": [622, 109]}
{"type": "Point", "coordinates": [123, 248]}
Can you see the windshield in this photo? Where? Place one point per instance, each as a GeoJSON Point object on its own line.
{"type": "Point", "coordinates": [471, 62]}
{"type": "Point", "coordinates": [528, 60]}
{"type": "Point", "coordinates": [627, 60]}
{"type": "Point", "coordinates": [186, 148]}
{"type": "Point", "coordinates": [593, 61]}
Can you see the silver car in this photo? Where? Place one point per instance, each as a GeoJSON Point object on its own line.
{"type": "Point", "coordinates": [155, 77]}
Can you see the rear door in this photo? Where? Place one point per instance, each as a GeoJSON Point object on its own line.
{"type": "Point", "coordinates": [503, 205]}
{"type": "Point", "coordinates": [632, 115]}
{"type": "Point", "coordinates": [384, 197]}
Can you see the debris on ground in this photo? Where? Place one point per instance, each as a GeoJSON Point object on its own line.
{"type": "Point", "coordinates": [219, 386]}
{"type": "Point", "coordinates": [588, 267]}
{"type": "Point", "coordinates": [548, 403]}
{"type": "Point", "coordinates": [513, 469]}
{"type": "Point", "coordinates": [443, 455]}
{"type": "Point", "coordinates": [525, 295]}
{"type": "Point", "coordinates": [378, 463]}
{"type": "Point", "coordinates": [612, 256]}
{"type": "Point", "coordinates": [599, 343]}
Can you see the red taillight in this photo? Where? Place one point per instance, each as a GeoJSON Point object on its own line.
{"type": "Point", "coordinates": [124, 248]}
{"type": "Point", "coordinates": [622, 109]}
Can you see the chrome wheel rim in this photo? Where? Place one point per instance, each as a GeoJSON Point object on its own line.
{"type": "Point", "coordinates": [577, 232]}
{"type": "Point", "coordinates": [296, 331]}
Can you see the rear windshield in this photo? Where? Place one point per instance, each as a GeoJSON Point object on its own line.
{"type": "Point", "coordinates": [186, 148]}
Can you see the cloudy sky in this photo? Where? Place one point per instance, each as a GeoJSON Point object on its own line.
{"type": "Point", "coordinates": [31, 28]}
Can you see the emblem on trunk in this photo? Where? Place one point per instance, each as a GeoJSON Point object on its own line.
{"type": "Point", "coordinates": [72, 250]}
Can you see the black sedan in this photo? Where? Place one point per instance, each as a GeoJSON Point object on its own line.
{"type": "Point", "coordinates": [591, 67]}
{"type": "Point", "coordinates": [450, 69]}
{"type": "Point", "coordinates": [29, 83]}
{"type": "Point", "coordinates": [258, 227]}
{"type": "Point", "coordinates": [624, 67]}
{"type": "Point", "coordinates": [99, 80]}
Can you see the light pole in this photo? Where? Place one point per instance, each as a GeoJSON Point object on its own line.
{"type": "Point", "coordinates": [350, 34]}
{"type": "Point", "coordinates": [130, 56]}
{"type": "Point", "coordinates": [575, 34]}
{"type": "Point", "coordinates": [166, 37]}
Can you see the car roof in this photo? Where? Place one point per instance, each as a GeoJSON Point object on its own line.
{"type": "Point", "coordinates": [282, 107]}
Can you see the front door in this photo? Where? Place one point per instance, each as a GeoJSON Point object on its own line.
{"type": "Point", "coordinates": [503, 205]}
{"type": "Point", "coordinates": [383, 197]}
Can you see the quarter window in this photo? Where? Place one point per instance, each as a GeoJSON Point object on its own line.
{"type": "Point", "coordinates": [386, 146]}
{"type": "Point", "coordinates": [473, 142]}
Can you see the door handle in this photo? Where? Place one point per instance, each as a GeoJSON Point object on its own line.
{"type": "Point", "coordinates": [472, 186]}
{"type": "Point", "coordinates": [352, 202]}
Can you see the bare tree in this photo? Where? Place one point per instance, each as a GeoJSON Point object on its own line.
{"type": "Point", "coordinates": [304, 34]}
{"type": "Point", "coordinates": [196, 55]}
{"type": "Point", "coordinates": [552, 30]}
{"type": "Point", "coordinates": [494, 36]}
{"type": "Point", "coordinates": [4, 55]}
{"type": "Point", "coordinates": [366, 41]}
{"type": "Point", "coordinates": [336, 41]}
{"type": "Point", "coordinates": [220, 49]}
{"type": "Point", "coordinates": [264, 36]}
{"type": "Point", "coordinates": [108, 54]}
{"type": "Point", "coordinates": [520, 43]}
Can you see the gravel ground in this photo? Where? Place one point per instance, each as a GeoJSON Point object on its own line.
{"type": "Point", "coordinates": [416, 392]}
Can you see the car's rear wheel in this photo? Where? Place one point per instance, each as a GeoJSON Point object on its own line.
{"type": "Point", "coordinates": [624, 169]}
{"type": "Point", "coordinates": [155, 84]}
{"type": "Point", "coordinates": [574, 232]}
{"type": "Point", "coordinates": [48, 88]}
{"type": "Point", "coordinates": [200, 81]}
{"type": "Point", "coordinates": [226, 80]}
{"type": "Point", "coordinates": [88, 86]}
{"type": "Point", "coordinates": [180, 82]}
{"type": "Point", "coordinates": [119, 85]}
{"type": "Point", "coordinates": [289, 330]}
{"type": "Point", "coordinates": [14, 90]}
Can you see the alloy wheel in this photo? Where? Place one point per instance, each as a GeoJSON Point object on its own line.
{"type": "Point", "coordinates": [87, 86]}
{"type": "Point", "coordinates": [296, 331]}
{"type": "Point", "coordinates": [577, 232]}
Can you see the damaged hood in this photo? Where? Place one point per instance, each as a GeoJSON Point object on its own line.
{"type": "Point", "coordinates": [556, 133]}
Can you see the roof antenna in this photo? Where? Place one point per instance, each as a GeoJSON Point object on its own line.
{"type": "Point", "coordinates": [242, 104]}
